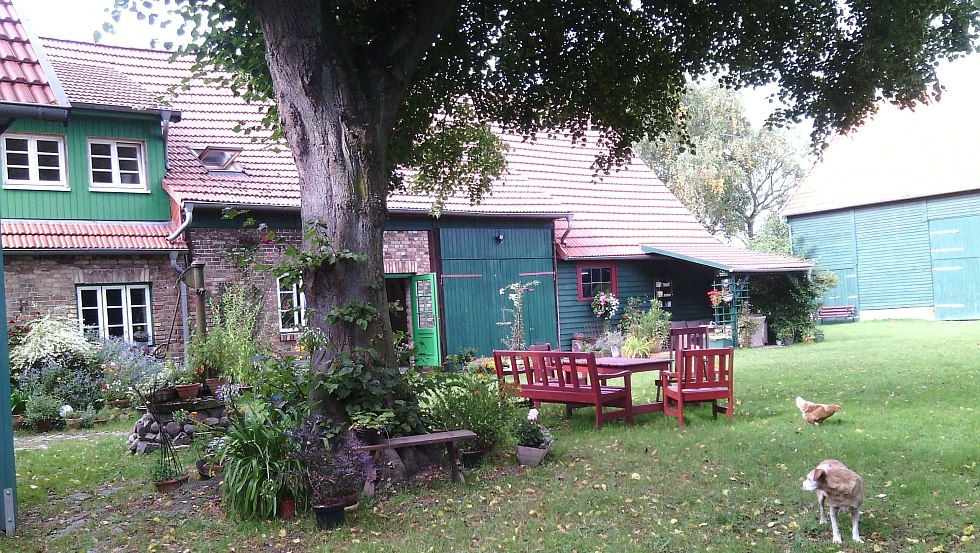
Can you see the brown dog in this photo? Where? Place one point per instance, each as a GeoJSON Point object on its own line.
{"type": "Point", "coordinates": [840, 487]}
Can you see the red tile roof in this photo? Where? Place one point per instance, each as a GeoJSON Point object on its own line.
{"type": "Point", "coordinates": [68, 236]}
{"type": "Point", "coordinates": [614, 214]}
{"type": "Point", "coordinates": [101, 85]}
{"type": "Point", "coordinates": [23, 78]}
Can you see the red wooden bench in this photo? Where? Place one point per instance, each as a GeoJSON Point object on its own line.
{"type": "Point", "coordinates": [569, 378]}
{"type": "Point", "coordinates": [835, 312]}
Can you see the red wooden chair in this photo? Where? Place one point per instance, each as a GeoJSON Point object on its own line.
{"type": "Point", "coordinates": [702, 375]}
{"type": "Point", "coordinates": [682, 339]}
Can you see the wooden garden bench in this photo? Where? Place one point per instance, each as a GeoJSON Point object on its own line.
{"type": "Point", "coordinates": [449, 438]}
{"type": "Point", "coordinates": [569, 378]}
{"type": "Point", "coordinates": [836, 312]}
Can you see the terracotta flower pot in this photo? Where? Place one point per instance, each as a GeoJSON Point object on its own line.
{"type": "Point", "coordinates": [74, 424]}
{"type": "Point", "coordinates": [43, 425]}
{"type": "Point", "coordinates": [213, 383]}
{"type": "Point", "coordinates": [18, 421]}
{"type": "Point", "coordinates": [163, 395]}
{"type": "Point", "coordinates": [119, 403]}
{"type": "Point", "coordinates": [206, 470]}
{"type": "Point", "coordinates": [168, 485]}
{"type": "Point", "coordinates": [187, 391]}
{"type": "Point", "coordinates": [287, 509]}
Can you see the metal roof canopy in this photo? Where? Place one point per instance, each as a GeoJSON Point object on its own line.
{"type": "Point", "coordinates": [720, 265]}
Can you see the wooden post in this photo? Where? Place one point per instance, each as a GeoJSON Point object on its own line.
{"type": "Point", "coordinates": [8, 475]}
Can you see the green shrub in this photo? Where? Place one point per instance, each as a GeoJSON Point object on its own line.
{"type": "Point", "coordinates": [651, 326]}
{"type": "Point", "coordinates": [472, 401]}
{"type": "Point", "coordinates": [43, 408]}
{"type": "Point", "coordinates": [230, 344]}
{"type": "Point", "coordinates": [71, 379]}
{"type": "Point", "coordinates": [18, 401]}
{"type": "Point", "coordinates": [50, 340]}
{"type": "Point", "coordinates": [127, 369]}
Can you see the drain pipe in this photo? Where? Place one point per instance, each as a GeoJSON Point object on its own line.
{"type": "Point", "coordinates": [568, 228]}
{"type": "Point", "coordinates": [185, 331]}
{"type": "Point", "coordinates": [188, 218]}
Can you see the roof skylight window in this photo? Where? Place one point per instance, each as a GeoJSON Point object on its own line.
{"type": "Point", "coordinates": [218, 159]}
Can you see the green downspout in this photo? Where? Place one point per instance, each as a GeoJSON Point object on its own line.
{"type": "Point", "coordinates": [8, 477]}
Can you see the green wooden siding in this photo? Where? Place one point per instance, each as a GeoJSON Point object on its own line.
{"type": "Point", "coordinates": [475, 266]}
{"type": "Point", "coordinates": [484, 243]}
{"type": "Point", "coordinates": [919, 253]}
{"type": "Point", "coordinates": [478, 316]}
{"type": "Point", "coordinates": [893, 265]}
{"type": "Point", "coordinates": [634, 279]}
{"type": "Point", "coordinates": [830, 238]}
{"type": "Point", "coordinates": [80, 203]}
{"type": "Point", "coordinates": [955, 244]}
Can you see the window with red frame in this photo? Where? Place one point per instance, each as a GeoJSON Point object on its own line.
{"type": "Point", "coordinates": [594, 278]}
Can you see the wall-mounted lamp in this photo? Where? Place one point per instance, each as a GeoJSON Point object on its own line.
{"type": "Point", "coordinates": [499, 238]}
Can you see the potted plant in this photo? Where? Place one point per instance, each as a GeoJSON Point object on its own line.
{"type": "Point", "coordinates": [42, 412]}
{"type": "Point", "coordinates": [141, 337]}
{"type": "Point", "coordinates": [73, 420]}
{"type": "Point", "coordinates": [210, 463]}
{"type": "Point", "coordinates": [612, 342]}
{"type": "Point", "coordinates": [332, 469]}
{"type": "Point", "coordinates": [533, 440]}
{"type": "Point", "coordinates": [188, 384]}
{"type": "Point", "coordinates": [167, 473]}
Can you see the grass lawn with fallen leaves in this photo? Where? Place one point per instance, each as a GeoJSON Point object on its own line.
{"type": "Point", "coordinates": [909, 426]}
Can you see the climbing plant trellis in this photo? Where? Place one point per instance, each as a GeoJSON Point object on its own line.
{"type": "Point", "coordinates": [733, 292]}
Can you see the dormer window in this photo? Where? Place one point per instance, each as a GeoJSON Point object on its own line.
{"type": "Point", "coordinates": [218, 159]}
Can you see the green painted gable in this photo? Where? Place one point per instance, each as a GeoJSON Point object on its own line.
{"type": "Point", "coordinates": [80, 203]}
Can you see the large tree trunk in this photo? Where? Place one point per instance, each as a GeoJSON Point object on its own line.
{"type": "Point", "coordinates": [338, 112]}
{"type": "Point", "coordinates": [343, 184]}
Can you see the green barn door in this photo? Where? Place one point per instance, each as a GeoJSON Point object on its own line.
{"type": "Point", "coordinates": [955, 247]}
{"type": "Point", "coordinates": [478, 316]}
{"type": "Point", "coordinates": [425, 320]}
{"type": "Point", "coordinates": [472, 306]}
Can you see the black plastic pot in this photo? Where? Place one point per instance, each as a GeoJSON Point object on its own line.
{"type": "Point", "coordinates": [328, 518]}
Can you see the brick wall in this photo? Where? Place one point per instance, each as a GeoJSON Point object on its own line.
{"type": "Point", "coordinates": [405, 252]}
{"type": "Point", "coordinates": [46, 283]}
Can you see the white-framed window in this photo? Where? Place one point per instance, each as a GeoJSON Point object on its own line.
{"type": "Point", "coordinates": [116, 166]}
{"type": "Point", "coordinates": [292, 306]}
{"type": "Point", "coordinates": [35, 162]}
{"type": "Point", "coordinates": [115, 310]}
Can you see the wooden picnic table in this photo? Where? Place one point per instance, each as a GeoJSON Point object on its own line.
{"type": "Point", "coordinates": [659, 362]}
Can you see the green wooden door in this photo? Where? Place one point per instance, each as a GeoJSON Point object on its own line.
{"type": "Point", "coordinates": [425, 320]}
{"type": "Point", "coordinates": [478, 316]}
{"type": "Point", "coordinates": [954, 244]}
{"type": "Point", "coordinates": [846, 291]}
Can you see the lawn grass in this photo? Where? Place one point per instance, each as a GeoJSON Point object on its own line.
{"type": "Point", "coordinates": [909, 426]}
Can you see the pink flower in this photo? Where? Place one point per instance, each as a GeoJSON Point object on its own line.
{"type": "Point", "coordinates": [532, 415]}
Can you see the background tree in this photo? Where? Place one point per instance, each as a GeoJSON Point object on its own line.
{"type": "Point", "coordinates": [361, 87]}
{"type": "Point", "coordinates": [727, 173]}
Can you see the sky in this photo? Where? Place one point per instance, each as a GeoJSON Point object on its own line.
{"type": "Point", "coordinates": [79, 19]}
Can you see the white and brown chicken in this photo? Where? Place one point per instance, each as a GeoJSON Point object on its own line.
{"type": "Point", "coordinates": [816, 413]}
